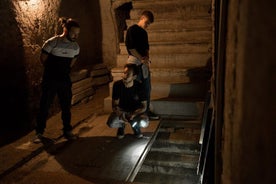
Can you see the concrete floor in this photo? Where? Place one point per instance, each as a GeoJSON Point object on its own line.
{"type": "Point", "coordinates": [97, 156]}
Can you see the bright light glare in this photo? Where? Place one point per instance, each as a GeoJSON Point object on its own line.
{"type": "Point", "coordinates": [134, 151]}
{"type": "Point", "coordinates": [143, 123]}
{"type": "Point", "coordinates": [134, 124]}
{"type": "Point", "coordinates": [32, 7]}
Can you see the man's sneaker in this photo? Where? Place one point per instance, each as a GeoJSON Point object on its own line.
{"type": "Point", "coordinates": [153, 116]}
{"type": "Point", "coordinates": [38, 138]}
{"type": "Point", "coordinates": [69, 135]}
{"type": "Point", "coordinates": [120, 136]}
{"type": "Point", "coordinates": [139, 136]}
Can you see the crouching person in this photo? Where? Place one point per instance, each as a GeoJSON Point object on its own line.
{"type": "Point", "coordinates": [129, 103]}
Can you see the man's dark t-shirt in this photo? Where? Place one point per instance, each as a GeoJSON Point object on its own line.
{"type": "Point", "coordinates": [129, 98]}
{"type": "Point", "coordinates": [137, 38]}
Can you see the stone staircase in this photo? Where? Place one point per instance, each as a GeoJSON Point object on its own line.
{"type": "Point", "coordinates": [180, 40]}
{"type": "Point", "coordinates": [176, 153]}
{"type": "Point", "coordinates": [173, 157]}
{"type": "Point", "coordinates": [180, 50]}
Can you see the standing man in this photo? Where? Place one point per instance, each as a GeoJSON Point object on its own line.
{"type": "Point", "coordinates": [58, 55]}
{"type": "Point", "coordinates": [128, 103]}
{"type": "Point", "coordinates": [138, 50]}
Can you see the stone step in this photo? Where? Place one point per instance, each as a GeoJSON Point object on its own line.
{"type": "Point", "coordinates": [108, 104]}
{"type": "Point", "coordinates": [101, 80]}
{"type": "Point", "coordinates": [83, 95]}
{"type": "Point", "coordinates": [177, 24]}
{"type": "Point", "coordinates": [169, 107]}
{"type": "Point", "coordinates": [171, 82]}
{"type": "Point", "coordinates": [174, 48]}
{"type": "Point", "coordinates": [185, 60]}
{"type": "Point", "coordinates": [167, 159]}
{"type": "Point", "coordinates": [172, 9]}
{"type": "Point", "coordinates": [161, 91]}
{"type": "Point", "coordinates": [179, 136]}
{"type": "Point", "coordinates": [78, 75]}
{"type": "Point", "coordinates": [99, 72]}
{"type": "Point", "coordinates": [81, 85]}
{"type": "Point", "coordinates": [167, 2]}
{"type": "Point", "coordinates": [188, 177]}
{"type": "Point", "coordinates": [181, 123]}
{"type": "Point", "coordinates": [179, 90]}
{"type": "Point", "coordinates": [171, 75]}
{"type": "Point", "coordinates": [161, 75]}
{"type": "Point", "coordinates": [165, 146]}
{"type": "Point", "coordinates": [185, 36]}
{"type": "Point", "coordinates": [170, 100]}
{"type": "Point", "coordinates": [176, 171]}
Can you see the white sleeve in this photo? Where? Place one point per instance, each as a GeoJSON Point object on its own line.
{"type": "Point", "coordinates": [49, 44]}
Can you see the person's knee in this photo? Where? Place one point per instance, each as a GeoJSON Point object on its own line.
{"type": "Point", "coordinates": [141, 120]}
{"type": "Point", "coordinates": [114, 121]}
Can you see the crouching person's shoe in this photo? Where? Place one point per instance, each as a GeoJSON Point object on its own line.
{"type": "Point", "coordinates": [121, 132]}
{"type": "Point", "coordinates": [137, 131]}
{"type": "Point", "coordinates": [139, 135]}
{"type": "Point", "coordinates": [152, 116]}
{"type": "Point", "coordinates": [69, 135]}
{"type": "Point", "coordinates": [120, 136]}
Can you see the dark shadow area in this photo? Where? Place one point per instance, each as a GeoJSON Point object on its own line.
{"type": "Point", "coordinates": [192, 90]}
{"type": "Point", "coordinates": [88, 14]}
{"type": "Point", "coordinates": [13, 85]}
{"type": "Point", "coordinates": [201, 73]}
{"type": "Point", "coordinates": [121, 14]}
{"type": "Point", "coordinates": [100, 159]}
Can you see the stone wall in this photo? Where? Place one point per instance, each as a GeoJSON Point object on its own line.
{"type": "Point", "coordinates": [249, 116]}
{"type": "Point", "coordinates": [25, 25]}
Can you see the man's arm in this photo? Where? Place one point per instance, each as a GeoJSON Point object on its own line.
{"type": "Point", "coordinates": [143, 59]}
{"type": "Point", "coordinates": [140, 110]}
{"type": "Point", "coordinates": [136, 54]}
{"type": "Point", "coordinates": [115, 107]}
{"type": "Point", "coordinates": [73, 61]}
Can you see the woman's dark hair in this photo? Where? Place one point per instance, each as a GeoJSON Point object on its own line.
{"type": "Point", "coordinates": [68, 23]}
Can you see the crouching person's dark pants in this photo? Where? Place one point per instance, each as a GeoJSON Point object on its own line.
{"type": "Point", "coordinates": [114, 121]}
